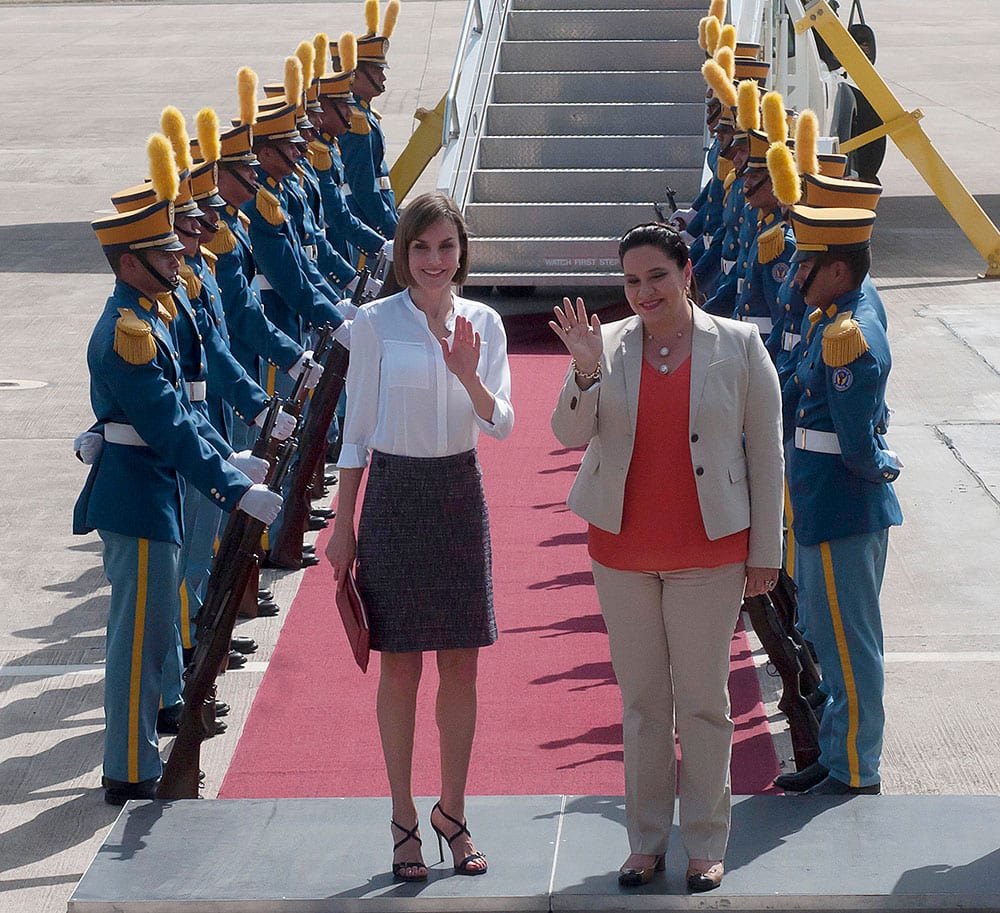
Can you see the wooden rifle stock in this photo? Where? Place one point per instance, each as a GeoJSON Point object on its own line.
{"type": "Point", "coordinates": [287, 550]}
{"type": "Point", "coordinates": [230, 572]}
{"type": "Point", "coordinates": [783, 653]}
{"type": "Point", "coordinates": [786, 604]}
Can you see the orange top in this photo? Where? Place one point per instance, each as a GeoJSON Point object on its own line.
{"type": "Point", "coordinates": [662, 528]}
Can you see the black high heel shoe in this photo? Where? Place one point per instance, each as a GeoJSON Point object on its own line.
{"type": "Point", "coordinates": [465, 866]}
{"type": "Point", "coordinates": [409, 833]}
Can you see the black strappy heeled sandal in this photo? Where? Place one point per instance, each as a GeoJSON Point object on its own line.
{"type": "Point", "coordinates": [409, 833]}
{"type": "Point", "coordinates": [465, 866]}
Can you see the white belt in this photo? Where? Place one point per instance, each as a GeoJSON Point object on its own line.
{"type": "Point", "coordinates": [739, 285]}
{"type": "Point", "coordinates": [384, 183]}
{"type": "Point", "coordinates": [706, 239]}
{"type": "Point", "coordinates": [116, 433]}
{"type": "Point", "coordinates": [197, 390]}
{"type": "Point", "coordinates": [816, 441]}
{"type": "Point", "coordinates": [727, 266]}
{"type": "Point", "coordinates": [312, 251]}
{"type": "Point", "coordinates": [345, 188]}
{"type": "Point", "coordinates": [262, 282]}
{"type": "Point", "coordinates": [763, 324]}
{"type": "Point", "coordinates": [789, 341]}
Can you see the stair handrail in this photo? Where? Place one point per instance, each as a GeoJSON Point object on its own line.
{"type": "Point", "coordinates": [452, 128]}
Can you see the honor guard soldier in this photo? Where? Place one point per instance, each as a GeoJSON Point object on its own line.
{"type": "Point", "coordinates": [840, 476]}
{"type": "Point", "coordinates": [345, 231]}
{"type": "Point", "coordinates": [363, 146]}
{"type": "Point", "coordinates": [153, 447]}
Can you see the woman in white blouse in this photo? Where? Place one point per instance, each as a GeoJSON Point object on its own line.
{"type": "Point", "coordinates": [428, 372]}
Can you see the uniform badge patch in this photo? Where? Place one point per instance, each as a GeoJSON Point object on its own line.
{"type": "Point", "coordinates": [842, 379]}
{"type": "Point", "coordinates": [779, 271]}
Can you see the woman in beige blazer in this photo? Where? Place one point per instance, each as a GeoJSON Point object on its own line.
{"type": "Point", "coordinates": [681, 485]}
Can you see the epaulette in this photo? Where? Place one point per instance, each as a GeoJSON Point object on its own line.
{"type": "Point", "coordinates": [244, 218]}
{"type": "Point", "coordinates": [166, 307]}
{"type": "Point", "coordinates": [192, 284]}
{"type": "Point", "coordinates": [730, 179]}
{"type": "Point", "coordinates": [223, 241]}
{"type": "Point", "coordinates": [359, 124]}
{"type": "Point", "coordinates": [771, 243]}
{"type": "Point", "coordinates": [319, 155]}
{"type": "Point", "coordinates": [210, 259]}
{"type": "Point", "coordinates": [375, 113]}
{"type": "Point", "coordinates": [843, 341]}
{"type": "Point", "coordinates": [134, 338]}
{"type": "Point", "coordinates": [299, 170]}
{"type": "Point", "coordinates": [269, 207]}
{"type": "Point", "coordinates": [724, 169]}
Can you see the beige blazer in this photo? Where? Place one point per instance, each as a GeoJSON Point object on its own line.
{"type": "Point", "coordinates": [735, 432]}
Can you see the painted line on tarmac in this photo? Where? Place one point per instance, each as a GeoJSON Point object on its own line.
{"type": "Point", "coordinates": [966, 656]}
{"type": "Point", "coordinates": [88, 668]}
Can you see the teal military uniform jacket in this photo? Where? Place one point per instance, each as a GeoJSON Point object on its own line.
{"type": "Point", "coordinates": [363, 155]}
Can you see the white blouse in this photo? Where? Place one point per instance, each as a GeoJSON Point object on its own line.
{"type": "Point", "coordinates": [403, 400]}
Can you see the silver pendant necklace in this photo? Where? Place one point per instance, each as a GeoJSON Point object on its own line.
{"type": "Point", "coordinates": [664, 368]}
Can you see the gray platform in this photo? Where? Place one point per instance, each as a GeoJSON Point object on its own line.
{"type": "Point", "coordinates": [546, 853]}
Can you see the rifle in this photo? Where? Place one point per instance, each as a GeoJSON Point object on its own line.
{"type": "Point", "coordinates": [230, 570]}
{"type": "Point", "coordinates": [287, 550]}
{"type": "Point", "coordinates": [784, 654]}
{"type": "Point", "coordinates": [786, 604]}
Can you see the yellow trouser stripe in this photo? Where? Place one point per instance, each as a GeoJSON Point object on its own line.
{"type": "Point", "coordinates": [142, 586]}
{"type": "Point", "coordinates": [185, 617]}
{"type": "Point", "coordinates": [845, 664]}
{"type": "Point", "coordinates": [790, 536]}
{"type": "Point", "coordinates": [272, 375]}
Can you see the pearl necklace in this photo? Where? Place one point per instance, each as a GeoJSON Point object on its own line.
{"type": "Point", "coordinates": [664, 352]}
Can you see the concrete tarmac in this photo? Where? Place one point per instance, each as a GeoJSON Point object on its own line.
{"type": "Point", "coordinates": [83, 84]}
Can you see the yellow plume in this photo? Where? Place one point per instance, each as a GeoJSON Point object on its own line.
{"type": "Point", "coordinates": [806, 133]}
{"type": "Point", "coordinates": [713, 31]}
{"type": "Point", "coordinates": [173, 126]}
{"type": "Point", "coordinates": [773, 115]}
{"type": "Point", "coordinates": [246, 86]}
{"type": "Point", "coordinates": [307, 57]}
{"type": "Point", "coordinates": [726, 59]}
{"type": "Point", "coordinates": [390, 18]}
{"type": "Point", "coordinates": [784, 176]}
{"type": "Point", "coordinates": [321, 52]}
{"type": "Point", "coordinates": [720, 83]}
{"type": "Point", "coordinates": [371, 16]}
{"type": "Point", "coordinates": [293, 81]}
{"type": "Point", "coordinates": [727, 38]}
{"type": "Point", "coordinates": [717, 8]}
{"type": "Point", "coordinates": [748, 111]}
{"type": "Point", "coordinates": [348, 48]}
{"type": "Point", "coordinates": [702, 39]}
{"type": "Point", "coordinates": [207, 125]}
{"type": "Point", "coordinates": [162, 167]}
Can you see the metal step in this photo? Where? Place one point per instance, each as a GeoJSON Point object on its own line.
{"type": "Point", "coordinates": [569, 87]}
{"type": "Point", "coordinates": [583, 185]}
{"type": "Point", "coordinates": [545, 255]}
{"type": "Point", "coordinates": [593, 120]}
{"type": "Point", "coordinates": [569, 25]}
{"type": "Point", "coordinates": [607, 55]}
{"type": "Point", "coordinates": [608, 5]}
{"type": "Point", "coordinates": [590, 151]}
{"type": "Point", "coordinates": [555, 220]}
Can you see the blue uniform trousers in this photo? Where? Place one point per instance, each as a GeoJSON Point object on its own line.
{"type": "Point", "coordinates": [839, 583]}
{"type": "Point", "coordinates": [144, 576]}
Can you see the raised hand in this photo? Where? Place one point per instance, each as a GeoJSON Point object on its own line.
{"type": "Point", "coordinates": [462, 357]}
{"type": "Point", "coordinates": [582, 337]}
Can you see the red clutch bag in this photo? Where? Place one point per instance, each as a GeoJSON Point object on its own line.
{"type": "Point", "coordinates": [355, 618]}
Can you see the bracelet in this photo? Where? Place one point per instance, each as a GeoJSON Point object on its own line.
{"type": "Point", "coordinates": [589, 375]}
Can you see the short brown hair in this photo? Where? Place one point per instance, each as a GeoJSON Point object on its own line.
{"type": "Point", "coordinates": [419, 215]}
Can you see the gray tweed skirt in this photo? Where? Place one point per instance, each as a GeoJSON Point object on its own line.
{"type": "Point", "coordinates": [424, 564]}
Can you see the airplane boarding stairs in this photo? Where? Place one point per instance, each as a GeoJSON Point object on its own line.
{"type": "Point", "coordinates": [593, 110]}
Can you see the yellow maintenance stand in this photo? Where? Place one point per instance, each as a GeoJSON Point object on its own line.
{"type": "Point", "coordinates": [905, 130]}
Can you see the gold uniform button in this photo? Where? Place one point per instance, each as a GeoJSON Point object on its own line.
{"type": "Point", "coordinates": [802, 413]}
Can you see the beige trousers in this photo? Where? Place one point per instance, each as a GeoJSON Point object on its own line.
{"type": "Point", "coordinates": [670, 634]}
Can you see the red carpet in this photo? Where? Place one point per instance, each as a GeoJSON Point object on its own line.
{"type": "Point", "coordinates": [550, 711]}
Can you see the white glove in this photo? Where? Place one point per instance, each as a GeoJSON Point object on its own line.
{"type": "Point", "coordinates": [88, 446]}
{"type": "Point", "coordinates": [687, 239]}
{"type": "Point", "coordinates": [284, 427]}
{"type": "Point", "coordinates": [252, 467]}
{"type": "Point", "coordinates": [897, 463]}
{"type": "Point", "coordinates": [353, 284]}
{"type": "Point", "coordinates": [347, 308]}
{"type": "Point", "coordinates": [295, 370]}
{"type": "Point", "coordinates": [313, 376]}
{"type": "Point", "coordinates": [386, 250]}
{"type": "Point", "coordinates": [343, 334]}
{"type": "Point", "coordinates": [682, 216]}
{"type": "Point", "coordinates": [373, 288]}
{"type": "Point", "coordinates": [261, 503]}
